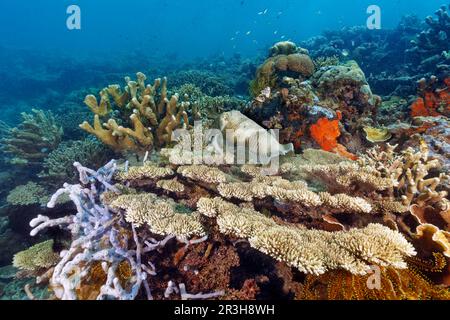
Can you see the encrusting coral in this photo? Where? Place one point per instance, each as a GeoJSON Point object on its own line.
{"type": "Point", "coordinates": [33, 139]}
{"type": "Point", "coordinates": [152, 114]}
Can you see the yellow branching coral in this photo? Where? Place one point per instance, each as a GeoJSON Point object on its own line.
{"type": "Point", "coordinates": [159, 215]}
{"type": "Point", "coordinates": [153, 117]}
{"type": "Point", "coordinates": [101, 108]}
{"type": "Point", "coordinates": [39, 256]}
{"type": "Point", "coordinates": [311, 251]}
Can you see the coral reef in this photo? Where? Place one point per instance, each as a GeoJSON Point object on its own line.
{"type": "Point", "coordinates": [330, 109]}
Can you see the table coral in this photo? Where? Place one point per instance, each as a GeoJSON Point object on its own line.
{"type": "Point", "coordinates": [311, 251]}
{"type": "Point", "coordinates": [39, 256]}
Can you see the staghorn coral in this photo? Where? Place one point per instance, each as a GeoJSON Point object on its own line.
{"type": "Point", "coordinates": [430, 45]}
{"type": "Point", "coordinates": [144, 106]}
{"type": "Point", "coordinates": [310, 251]}
{"type": "Point", "coordinates": [33, 139]}
{"type": "Point", "coordinates": [28, 194]}
{"type": "Point", "coordinates": [39, 256]}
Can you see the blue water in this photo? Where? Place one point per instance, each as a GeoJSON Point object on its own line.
{"type": "Point", "coordinates": [195, 28]}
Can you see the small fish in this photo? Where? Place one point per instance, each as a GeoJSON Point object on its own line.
{"type": "Point", "coordinates": [275, 32]}
{"type": "Point", "coordinates": [353, 43]}
{"type": "Point", "coordinates": [345, 53]}
{"type": "Point", "coordinates": [232, 39]}
{"type": "Point", "coordinates": [282, 37]}
{"type": "Point", "coordinates": [248, 33]}
{"type": "Point", "coordinates": [263, 12]}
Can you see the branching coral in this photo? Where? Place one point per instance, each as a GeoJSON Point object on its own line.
{"type": "Point", "coordinates": [152, 114]}
{"type": "Point", "coordinates": [33, 139]}
{"type": "Point", "coordinates": [394, 284]}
